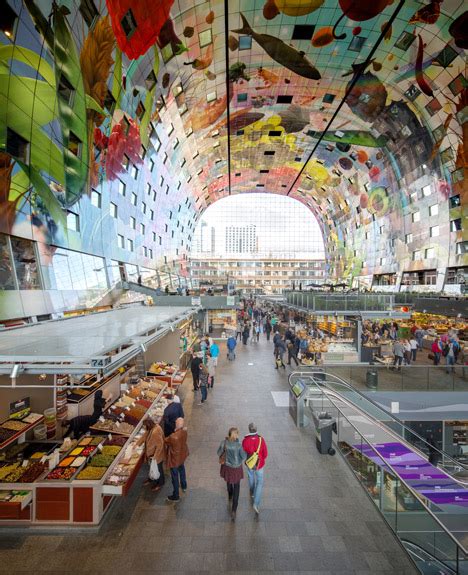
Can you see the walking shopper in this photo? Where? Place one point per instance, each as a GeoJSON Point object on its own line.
{"type": "Point", "coordinates": [398, 351]}
{"type": "Point", "coordinates": [419, 335]}
{"type": "Point", "coordinates": [257, 331]}
{"type": "Point", "coordinates": [195, 369]}
{"type": "Point", "coordinates": [154, 452]}
{"type": "Point", "coordinates": [239, 329]}
{"type": "Point", "coordinates": [177, 453]}
{"type": "Point", "coordinates": [280, 351]}
{"type": "Point", "coordinates": [171, 413]}
{"type": "Point", "coordinates": [231, 457]}
{"type": "Point", "coordinates": [276, 339]}
{"type": "Point", "coordinates": [292, 353]}
{"type": "Point", "coordinates": [407, 351]}
{"type": "Point", "coordinates": [449, 354]}
{"type": "Point", "coordinates": [231, 347]}
{"type": "Point", "coordinates": [414, 348]}
{"type": "Point", "coordinates": [211, 366]}
{"type": "Point", "coordinates": [256, 449]}
{"type": "Point", "coordinates": [204, 381]}
{"type": "Point", "coordinates": [268, 329]}
{"type": "Point", "coordinates": [245, 333]}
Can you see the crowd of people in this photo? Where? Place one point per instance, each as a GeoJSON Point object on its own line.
{"type": "Point", "coordinates": [405, 349]}
{"type": "Point", "coordinates": [166, 440]}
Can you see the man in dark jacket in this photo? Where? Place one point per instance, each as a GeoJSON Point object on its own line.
{"type": "Point", "coordinates": [195, 369]}
{"type": "Point", "coordinates": [172, 412]}
{"type": "Point", "coordinates": [280, 351]}
{"type": "Point", "coordinates": [177, 453]}
{"type": "Point", "coordinates": [292, 349]}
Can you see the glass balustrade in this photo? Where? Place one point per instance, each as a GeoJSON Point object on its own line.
{"type": "Point", "coordinates": [434, 535]}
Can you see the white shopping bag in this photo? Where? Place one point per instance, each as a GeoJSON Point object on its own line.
{"type": "Point", "coordinates": [154, 470]}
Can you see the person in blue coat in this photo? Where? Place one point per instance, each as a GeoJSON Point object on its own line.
{"type": "Point", "coordinates": [231, 346]}
{"type": "Point", "coordinates": [214, 352]}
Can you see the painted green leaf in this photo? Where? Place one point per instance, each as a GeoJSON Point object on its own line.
{"type": "Point", "coordinates": [157, 61]}
{"type": "Point", "coordinates": [19, 184]}
{"type": "Point", "coordinates": [91, 104]}
{"type": "Point", "coordinates": [357, 137]}
{"type": "Point", "coordinates": [117, 78]}
{"type": "Point", "coordinates": [29, 58]}
{"type": "Point", "coordinates": [72, 116]}
{"type": "Point", "coordinates": [45, 193]}
{"type": "Point", "coordinates": [144, 132]}
{"type": "Point", "coordinates": [31, 101]}
{"type": "Point", "coordinates": [35, 98]}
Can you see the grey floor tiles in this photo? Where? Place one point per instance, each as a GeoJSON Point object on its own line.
{"type": "Point", "coordinates": [314, 517]}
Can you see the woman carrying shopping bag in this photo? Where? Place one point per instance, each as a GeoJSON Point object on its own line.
{"type": "Point", "coordinates": [154, 453]}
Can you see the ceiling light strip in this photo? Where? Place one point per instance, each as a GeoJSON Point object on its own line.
{"type": "Point", "coordinates": [228, 88]}
{"type": "Point", "coordinates": [356, 77]}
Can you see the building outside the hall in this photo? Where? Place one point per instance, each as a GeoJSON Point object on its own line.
{"type": "Point", "coordinates": [241, 239]}
{"type": "Point", "coordinates": [257, 273]}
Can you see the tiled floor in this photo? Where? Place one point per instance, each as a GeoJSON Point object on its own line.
{"type": "Point", "coordinates": [314, 517]}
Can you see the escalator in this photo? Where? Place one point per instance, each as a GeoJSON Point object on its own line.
{"type": "Point", "coordinates": [419, 490]}
{"type": "Point", "coordinates": [426, 563]}
{"type": "Point", "coordinates": [134, 286]}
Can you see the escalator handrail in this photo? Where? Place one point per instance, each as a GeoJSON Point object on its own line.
{"type": "Point", "coordinates": [390, 415]}
{"type": "Point", "coordinates": [390, 466]}
{"type": "Point", "coordinates": [433, 557]}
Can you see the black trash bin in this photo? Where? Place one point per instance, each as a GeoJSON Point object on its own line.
{"type": "Point", "coordinates": [372, 379]}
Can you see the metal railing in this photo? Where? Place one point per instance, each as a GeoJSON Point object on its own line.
{"type": "Point", "coordinates": [422, 530]}
{"type": "Point", "coordinates": [408, 378]}
{"type": "Point", "coordinates": [450, 464]}
{"type": "Point", "coordinates": [329, 302]}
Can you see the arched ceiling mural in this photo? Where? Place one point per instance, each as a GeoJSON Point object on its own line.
{"type": "Point", "coordinates": [355, 108]}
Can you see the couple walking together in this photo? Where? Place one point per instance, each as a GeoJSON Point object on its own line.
{"type": "Point", "coordinates": [232, 455]}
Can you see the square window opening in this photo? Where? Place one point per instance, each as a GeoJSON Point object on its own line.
{"type": "Point", "coordinates": [17, 146]}
{"type": "Point", "coordinates": [128, 24]}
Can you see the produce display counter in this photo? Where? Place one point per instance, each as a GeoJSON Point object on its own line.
{"type": "Point", "coordinates": [14, 504]}
{"type": "Point", "coordinates": [170, 374]}
{"type": "Point", "coordinates": [88, 473]}
{"type": "Point", "coordinates": [16, 429]}
{"type": "Point", "coordinates": [80, 400]}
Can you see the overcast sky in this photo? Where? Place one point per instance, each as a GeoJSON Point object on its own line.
{"type": "Point", "coordinates": [282, 224]}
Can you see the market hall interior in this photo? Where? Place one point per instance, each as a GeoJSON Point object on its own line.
{"type": "Point", "coordinates": [314, 518]}
{"type": "Point", "coordinates": [166, 170]}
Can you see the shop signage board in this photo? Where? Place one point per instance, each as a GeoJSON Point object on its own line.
{"type": "Point", "coordinates": [230, 300]}
{"type": "Point", "coordinates": [196, 301]}
{"type": "Point", "coordinates": [20, 408]}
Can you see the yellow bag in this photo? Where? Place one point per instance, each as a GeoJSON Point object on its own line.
{"type": "Point", "coordinates": [252, 461]}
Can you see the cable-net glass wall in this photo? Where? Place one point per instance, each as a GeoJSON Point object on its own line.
{"type": "Point", "coordinates": [257, 242]}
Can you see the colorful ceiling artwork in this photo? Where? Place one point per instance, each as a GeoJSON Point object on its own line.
{"type": "Point", "coordinates": [135, 116]}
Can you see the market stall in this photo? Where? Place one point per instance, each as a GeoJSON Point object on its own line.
{"type": "Point", "coordinates": [220, 321]}
{"type": "Point", "coordinates": [168, 373]}
{"type": "Point", "coordinates": [73, 482]}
